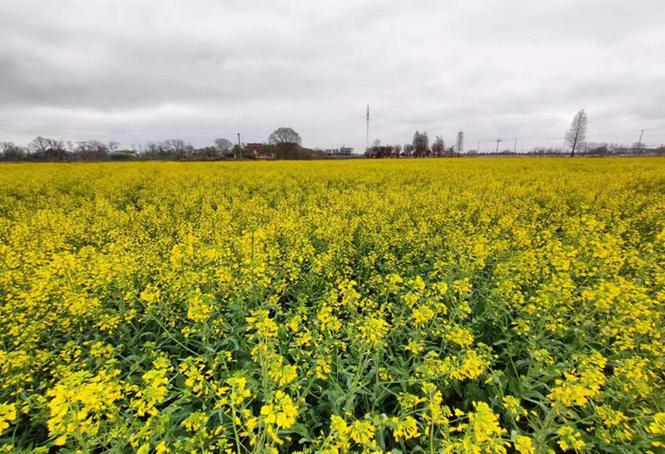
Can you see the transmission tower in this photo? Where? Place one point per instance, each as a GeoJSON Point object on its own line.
{"type": "Point", "coordinates": [639, 141]}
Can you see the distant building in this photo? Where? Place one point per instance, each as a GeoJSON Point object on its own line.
{"type": "Point", "coordinates": [342, 151]}
{"type": "Point", "coordinates": [253, 149]}
{"type": "Point", "coordinates": [259, 150]}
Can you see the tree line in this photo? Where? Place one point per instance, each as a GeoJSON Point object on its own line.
{"type": "Point", "coordinates": [575, 143]}
{"type": "Point", "coordinates": [418, 148]}
{"type": "Point", "coordinates": [283, 143]}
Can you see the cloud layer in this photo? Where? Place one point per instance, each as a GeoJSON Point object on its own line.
{"type": "Point", "coordinates": [140, 70]}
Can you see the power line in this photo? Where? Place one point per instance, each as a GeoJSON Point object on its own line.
{"type": "Point", "coordinates": [594, 136]}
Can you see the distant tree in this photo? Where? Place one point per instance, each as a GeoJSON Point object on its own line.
{"type": "Point", "coordinates": [576, 135]}
{"type": "Point", "coordinates": [43, 144]}
{"type": "Point", "coordinates": [420, 144]}
{"type": "Point", "coordinates": [287, 144]}
{"type": "Point", "coordinates": [113, 147]}
{"type": "Point", "coordinates": [376, 143]}
{"type": "Point", "coordinates": [207, 153]}
{"type": "Point", "coordinates": [236, 150]}
{"type": "Point", "coordinates": [177, 148]}
{"type": "Point", "coordinates": [39, 145]}
{"type": "Point", "coordinates": [438, 147]}
{"type": "Point", "coordinates": [598, 149]}
{"type": "Point", "coordinates": [223, 145]}
{"type": "Point", "coordinates": [380, 151]}
{"type": "Point", "coordinates": [284, 136]}
{"type": "Point", "coordinates": [11, 151]}
{"type": "Point", "coordinates": [545, 151]}
{"type": "Point", "coordinates": [153, 150]}
{"type": "Point", "coordinates": [47, 149]}
{"type": "Point", "coordinates": [91, 150]}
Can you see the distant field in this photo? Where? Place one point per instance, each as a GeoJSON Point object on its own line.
{"type": "Point", "coordinates": [467, 306]}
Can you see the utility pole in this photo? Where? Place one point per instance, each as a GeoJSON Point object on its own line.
{"type": "Point", "coordinates": [478, 149]}
{"type": "Point", "coordinates": [515, 150]}
{"type": "Point", "coordinates": [498, 141]}
{"type": "Point", "coordinates": [239, 146]}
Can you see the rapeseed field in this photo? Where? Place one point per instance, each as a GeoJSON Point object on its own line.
{"type": "Point", "coordinates": [404, 306]}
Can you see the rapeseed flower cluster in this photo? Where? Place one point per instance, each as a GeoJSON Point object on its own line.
{"type": "Point", "coordinates": [462, 306]}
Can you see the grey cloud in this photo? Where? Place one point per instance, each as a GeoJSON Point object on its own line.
{"type": "Point", "coordinates": [141, 70]}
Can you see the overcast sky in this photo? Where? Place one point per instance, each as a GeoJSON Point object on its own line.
{"type": "Point", "coordinates": [135, 71]}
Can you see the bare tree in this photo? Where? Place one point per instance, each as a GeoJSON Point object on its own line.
{"type": "Point", "coordinates": [11, 151]}
{"type": "Point", "coordinates": [284, 136]}
{"type": "Point", "coordinates": [420, 144]}
{"type": "Point", "coordinates": [177, 148]}
{"type": "Point", "coordinates": [113, 146]}
{"type": "Point", "coordinates": [152, 150]}
{"type": "Point", "coordinates": [576, 135]}
{"type": "Point", "coordinates": [92, 150]}
{"type": "Point", "coordinates": [438, 146]}
{"type": "Point", "coordinates": [43, 144]}
{"type": "Point", "coordinates": [45, 148]}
